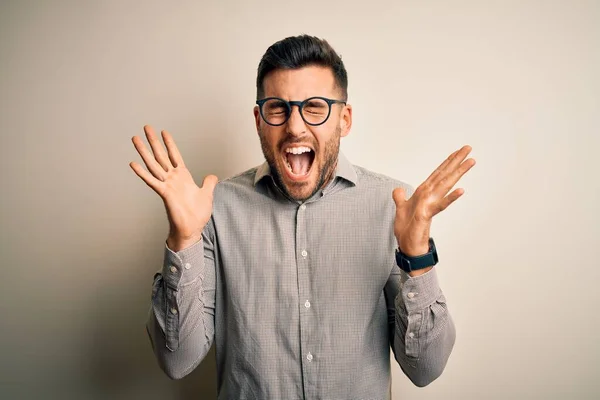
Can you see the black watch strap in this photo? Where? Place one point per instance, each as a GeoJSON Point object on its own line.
{"type": "Point", "coordinates": [408, 264]}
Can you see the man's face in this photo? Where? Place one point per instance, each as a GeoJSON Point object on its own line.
{"type": "Point", "coordinates": [302, 175]}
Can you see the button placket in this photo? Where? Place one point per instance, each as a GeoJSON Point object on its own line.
{"type": "Point", "coordinates": [304, 292]}
{"type": "Point", "coordinates": [412, 340]}
{"type": "Point", "coordinates": [172, 320]}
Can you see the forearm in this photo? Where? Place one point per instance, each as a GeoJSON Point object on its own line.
{"type": "Point", "coordinates": [181, 319]}
{"type": "Point", "coordinates": [424, 333]}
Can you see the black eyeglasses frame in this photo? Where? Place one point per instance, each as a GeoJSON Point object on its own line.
{"type": "Point", "coordinates": [300, 105]}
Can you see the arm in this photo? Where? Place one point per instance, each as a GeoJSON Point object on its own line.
{"type": "Point", "coordinates": [421, 330]}
{"type": "Point", "coordinates": [423, 333]}
{"type": "Point", "coordinates": [181, 319]}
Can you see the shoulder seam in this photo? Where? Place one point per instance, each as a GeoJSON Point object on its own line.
{"type": "Point", "coordinates": [250, 171]}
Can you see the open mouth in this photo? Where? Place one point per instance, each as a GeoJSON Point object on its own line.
{"type": "Point", "coordinates": [298, 161]}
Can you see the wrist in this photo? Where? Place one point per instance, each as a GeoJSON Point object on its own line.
{"type": "Point", "coordinates": [419, 272]}
{"type": "Point", "coordinates": [414, 244]}
{"type": "Point", "coordinates": [177, 244]}
{"type": "Point", "coordinates": [417, 259]}
{"type": "Point", "coordinates": [414, 251]}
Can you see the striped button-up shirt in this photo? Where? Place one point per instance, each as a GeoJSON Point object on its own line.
{"type": "Point", "coordinates": [303, 300]}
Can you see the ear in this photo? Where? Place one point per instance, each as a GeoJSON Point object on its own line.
{"type": "Point", "coordinates": [346, 120]}
{"type": "Point", "coordinates": [257, 118]}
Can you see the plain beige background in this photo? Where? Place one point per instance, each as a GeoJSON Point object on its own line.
{"type": "Point", "coordinates": [82, 236]}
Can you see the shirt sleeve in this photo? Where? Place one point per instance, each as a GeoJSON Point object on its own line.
{"type": "Point", "coordinates": [422, 333]}
{"type": "Point", "coordinates": [181, 318]}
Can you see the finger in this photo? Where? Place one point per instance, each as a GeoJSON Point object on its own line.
{"type": "Point", "coordinates": [448, 182]}
{"type": "Point", "coordinates": [442, 166]}
{"type": "Point", "coordinates": [153, 166]}
{"type": "Point", "coordinates": [451, 198]}
{"type": "Point", "coordinates": [146, 176]}
{"type": "Point", "coordinates": [209, 183]}
{"type": "Point", "coordinates": [459, 157]}
{"type": "Point", "coordinates": [453, 163]}
{"type": "Point", "coordinates": [172, 150]}
{"type": "Point", "coordinates": [399, 196]}
{"type": "Point", "coordinates": [157, 149]}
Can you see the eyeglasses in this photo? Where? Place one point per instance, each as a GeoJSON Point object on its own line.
{"type": "Point", "coordinates": [314, 111]}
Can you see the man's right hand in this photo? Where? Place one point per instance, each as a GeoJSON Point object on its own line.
{"type": "Point", "coordinates": [188, 206]}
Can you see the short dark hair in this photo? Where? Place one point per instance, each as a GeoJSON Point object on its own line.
{"type": "Point", "coordinates": [301, 51]}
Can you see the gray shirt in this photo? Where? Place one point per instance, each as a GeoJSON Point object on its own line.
{"type": "Point", "coordinates": [302, 299]}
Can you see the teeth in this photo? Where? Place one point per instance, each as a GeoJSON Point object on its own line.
{"type": "Point", "coordinates": [298, 150]}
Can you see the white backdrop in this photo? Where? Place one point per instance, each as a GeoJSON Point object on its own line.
{"type": "Point", "coordinates": [82, 236]}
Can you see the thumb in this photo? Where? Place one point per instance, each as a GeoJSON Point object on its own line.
{"type": "Point", "coordinates": [209, 183]}
{"type": "Point", "coordinates": [399, 196]}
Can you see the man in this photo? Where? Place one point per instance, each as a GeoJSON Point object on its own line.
{"type": "Point", "coordinates": [293, 268]}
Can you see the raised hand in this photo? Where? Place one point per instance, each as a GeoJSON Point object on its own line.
{"type": "Point", "coordinates": [188, 206]}
{"type": "Point", "coordinates": [413, 216]}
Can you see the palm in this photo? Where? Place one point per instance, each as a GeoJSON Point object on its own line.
{"type": "Point", "coordinates": [407, 215]}
{"type": "Point", "coordinates": [188, 206]}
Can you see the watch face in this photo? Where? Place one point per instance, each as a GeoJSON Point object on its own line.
{"type": "Point", "coordinates": [406, 265]}
{"type": "Point", "coordinates": [402, 262]}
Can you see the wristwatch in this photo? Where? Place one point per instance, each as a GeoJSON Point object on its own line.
{"type": "Point", "coordinates": [407, 263]}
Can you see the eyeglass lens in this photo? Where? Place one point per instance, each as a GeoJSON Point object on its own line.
{"type": "Point", "coordinates": [314, 111]}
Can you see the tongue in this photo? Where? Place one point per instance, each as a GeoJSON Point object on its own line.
{"type": "Point", "coordinates": [299, 162]}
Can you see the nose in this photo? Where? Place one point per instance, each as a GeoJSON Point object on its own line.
{"type": "Point", "coordinates": [295, 124]}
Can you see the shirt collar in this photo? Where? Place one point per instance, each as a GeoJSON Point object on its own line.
{"type": "Point", "coordinates": [344, 169]}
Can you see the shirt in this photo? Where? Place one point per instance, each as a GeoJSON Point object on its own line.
{"type": "Point", "coordinates": [303, 299]}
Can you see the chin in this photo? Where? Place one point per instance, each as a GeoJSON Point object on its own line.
{"type": "Point", "coordinates": [298, 190]}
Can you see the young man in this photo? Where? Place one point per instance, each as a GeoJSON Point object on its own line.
{"type": "Point", "coordinates": [306, 270]}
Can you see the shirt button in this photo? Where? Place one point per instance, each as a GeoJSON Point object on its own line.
{"type": "Point", "coordinates": [187, 266]}
{"type": "Point", "coordinates": [304, 253]}
{"type": "Point", "coordinates": [410, 295]}
{"type": "Point", "coordinates": [303, 207]}
{"type": "Point", "coordinates": [411, 335]}
{"type": "Point", "coordinates": [309, 357]}
{"type": "Point", "coordinates": [173, 269]}
{"type": "Point", "coordinates": [307, 304]}
{"type": "Point", "coordinates": [174, 311]}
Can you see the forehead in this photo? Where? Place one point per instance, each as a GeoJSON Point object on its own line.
{"type": "Point", "coordinates": [301, 83]}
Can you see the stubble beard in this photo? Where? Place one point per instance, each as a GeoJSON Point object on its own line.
{"type": "Point", "coordinates": [325, 173]}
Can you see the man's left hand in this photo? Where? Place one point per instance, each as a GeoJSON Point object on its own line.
{"type": "Point", "coordinates": [413, 216]}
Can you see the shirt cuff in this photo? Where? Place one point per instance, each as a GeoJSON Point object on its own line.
{"type": "Point", "coordinates": [183, 267]}
{"type": "Point", "coordinates": [419, 292]}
